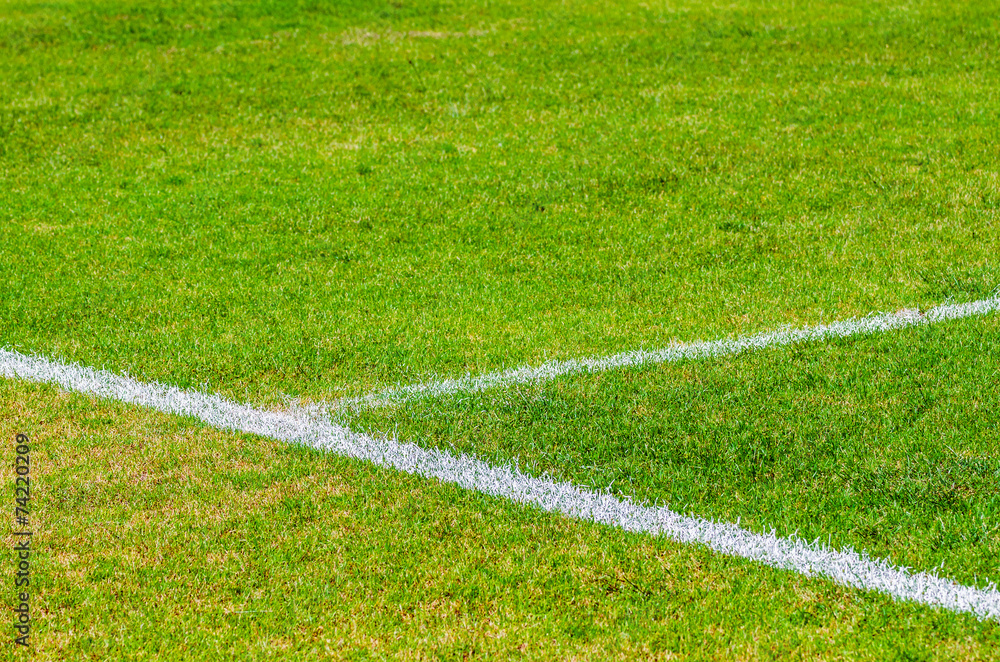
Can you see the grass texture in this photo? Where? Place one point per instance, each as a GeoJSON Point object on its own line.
{"type": "Point", "coordinates": [312, 199]}
{"type": "Point", "coordinates": [163, 536]}
{"type": "Point", "coordinates": [887, 443]}
{"type": "Point", "coordinates": [273, 200]}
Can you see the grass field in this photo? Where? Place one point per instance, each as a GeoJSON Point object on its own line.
{"type": "Point", "coordinates": [288, 203]}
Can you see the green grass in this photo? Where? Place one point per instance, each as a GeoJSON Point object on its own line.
{"type": "Point", "coordinates": [273, 199]}
{"type": "Point", "coordinates": [306, 199]}
{"type": "Point", "coordinates": [163, 538]}
{"type": "Point", "coordinates": [886, 443]}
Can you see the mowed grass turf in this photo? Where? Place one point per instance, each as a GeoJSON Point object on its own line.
{"type": "Point", "coordinates": [159, 538]}
{"type": "Point", "coordinates": [319, 198]}
{"type": "Point", "coordinates": [886, 443]}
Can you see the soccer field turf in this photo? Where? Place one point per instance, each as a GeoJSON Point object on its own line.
{"type": "Point", "coordinates": [289, 204]}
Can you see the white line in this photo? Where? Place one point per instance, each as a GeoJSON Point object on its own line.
{"type": "Point", "coordinates": [845, 567]}
{"type": "Point", "coordinates": [699, 350]}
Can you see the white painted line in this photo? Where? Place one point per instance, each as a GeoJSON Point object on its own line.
{"type": "Point", "coordinates": [845, 567]}
{"type": "Point", "coordinates": [698, 350]}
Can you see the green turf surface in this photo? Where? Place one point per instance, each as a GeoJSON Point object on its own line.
{"type": "Point", "coordinates": [886, 443]}
{"type": "Point", "coordinates": [164, 539]}
{"type": "Point", "coordinates": [316, 199]}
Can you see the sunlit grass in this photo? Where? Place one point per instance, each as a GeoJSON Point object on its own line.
{"type": "Point", "coordinates": [160, 537]}
{"type": "Point", "coordinates": [885, 443]}
{"type": "Point", "coordinates": [266, 199]}
{"type": "Point", "coordinates": [274, 199]}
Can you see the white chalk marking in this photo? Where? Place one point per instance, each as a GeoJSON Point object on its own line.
{"type": "Point", "coordinates": [635, 358]}
{"type": "Point", "coordinates": [845, 567]}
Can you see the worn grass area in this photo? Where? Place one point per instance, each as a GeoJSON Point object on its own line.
{"type": "Point", "coordinates": [159, 536]}
{"type": "Point", "coordinates": [311, 198]}
{"type": "Point", "coordinates": [887, 443]}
